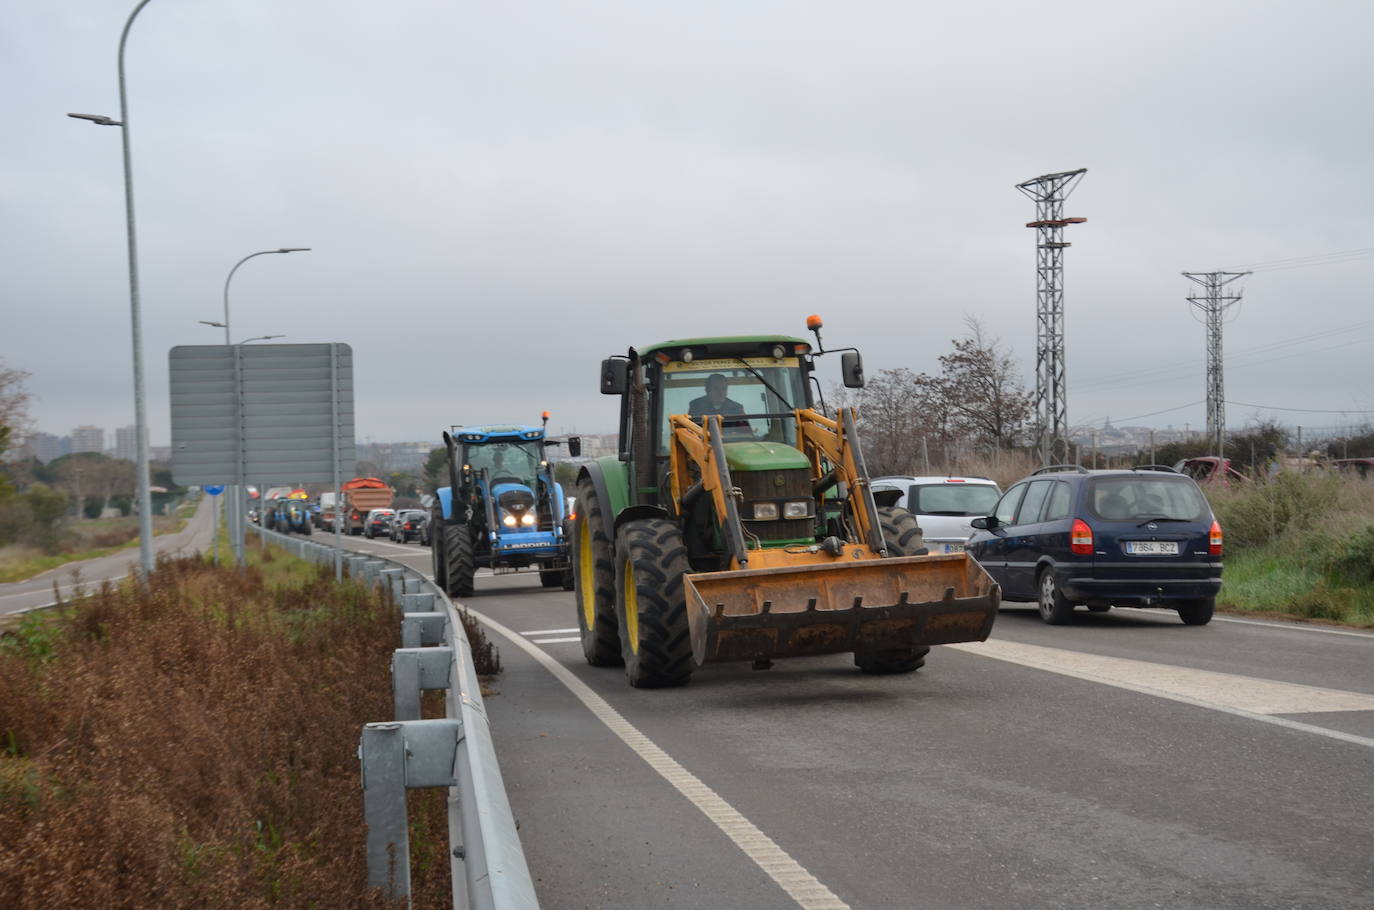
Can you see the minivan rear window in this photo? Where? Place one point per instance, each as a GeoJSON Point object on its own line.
{"type": "Point", "coordinates": [952, 499]}
{"type": "Point", "coordinates": [1137, 497]}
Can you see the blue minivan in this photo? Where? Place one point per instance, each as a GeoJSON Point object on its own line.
{"type": "Point", "coordinates": [1142, 537]}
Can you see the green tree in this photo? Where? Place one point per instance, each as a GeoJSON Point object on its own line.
{"type": "Point", "coordinates": [436, 469]}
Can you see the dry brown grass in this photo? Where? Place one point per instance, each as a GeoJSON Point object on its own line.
{"type": "Point", "coordinates": [194, 745]}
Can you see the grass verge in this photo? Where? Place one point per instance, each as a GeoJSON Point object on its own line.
{"type": "Point", "coordinates": [1300, 546]}
{"type": "Point", "coordinates": [194, 744]}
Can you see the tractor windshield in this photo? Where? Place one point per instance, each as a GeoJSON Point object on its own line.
{"type": "Point", "coordinates": [505, 462]}
{"type": "Point", "coordinates": [744, 391]}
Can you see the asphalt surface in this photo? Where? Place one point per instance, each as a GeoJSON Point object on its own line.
{"type": "Point", "coordinates": [16, 597]}
{"type": "Point", "coordinates": [1122, 761]}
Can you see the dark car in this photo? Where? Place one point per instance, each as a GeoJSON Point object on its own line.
{"type": "Point", "coordinates": [1143, 537]}
{"type": "Point", "coordinates": [408, 525]}
{"type": "Point", "coordinates": [378, 522]}
{"type": "Point", "coordinates": [1364, 467]}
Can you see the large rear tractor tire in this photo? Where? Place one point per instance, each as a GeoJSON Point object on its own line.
{"type": "Point", "coordinates": [904, 538]}
{"type": "Point", "coordinates": [458, 557]}
{"type": "Point", "coordinates": [593, 571]}
{"type": "Point", "coordinates": [1197, 612]}
{"type": "Point", "coordinates": [651, 603]}
{"type": "Point", "coordinates": [437, 553]}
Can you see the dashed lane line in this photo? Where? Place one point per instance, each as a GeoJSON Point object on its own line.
{"type": "Point", "coordinates": [554, 641]}
{"type": "Point", "coordinates": [800, 885]}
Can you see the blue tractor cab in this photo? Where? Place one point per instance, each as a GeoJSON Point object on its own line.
{"type": "Point", "coordinates": [502, 508]}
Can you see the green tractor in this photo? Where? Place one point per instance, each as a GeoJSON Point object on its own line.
{"type": "Point", "coordinates": [737, 523]}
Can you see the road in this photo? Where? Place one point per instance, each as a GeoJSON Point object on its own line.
{"type": "Point", "coordinates": [1124, 761]}
{"type": "Point", "coordinates": [16, 597]}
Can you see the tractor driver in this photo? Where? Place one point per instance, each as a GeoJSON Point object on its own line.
{"type": "Point", "coordinates": [717, 401]}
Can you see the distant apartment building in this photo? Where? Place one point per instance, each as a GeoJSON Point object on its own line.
{"type": "Point", "coordinates": [126, 443]}
{"type": "Point", "coordinates": [45, 447]}
{"type": "Point", "coordinates": [88, 439]}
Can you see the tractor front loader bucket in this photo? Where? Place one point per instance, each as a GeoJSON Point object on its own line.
{"type": "Point", "coordinates": [838, 607]}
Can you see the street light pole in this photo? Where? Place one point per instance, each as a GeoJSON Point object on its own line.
{"type": "Point", "coordinates": [145, 499]}
{"type": "Point", "coordinates": [238, 514]}
{"type": "Point", "coordinates": [288, 249]}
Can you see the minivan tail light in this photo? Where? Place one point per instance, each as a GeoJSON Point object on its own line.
{"type": "Point", "coordinates": [1214, 539]}
{"type": "Point", "coordinates": [1081, 538]}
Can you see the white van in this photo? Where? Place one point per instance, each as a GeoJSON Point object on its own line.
{"type": "Point", "coordinates": [943, 506]}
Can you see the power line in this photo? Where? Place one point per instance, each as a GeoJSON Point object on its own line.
{"type": "Point", "coordinates": [1270, 407]}
{"type": "Point", "coordinates": [1302, 262]}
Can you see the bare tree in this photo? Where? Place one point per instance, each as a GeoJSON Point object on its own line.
{"type": "Point", "coordinates": [980, 382]}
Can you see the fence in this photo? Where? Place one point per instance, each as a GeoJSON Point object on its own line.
{"type": "Point", "coordinates": [456, 751]}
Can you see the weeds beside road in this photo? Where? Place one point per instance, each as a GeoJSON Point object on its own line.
{"type": "Point", "coordinates": [81, 540]}
{"type": "Point", "coordinates": [194, 745]}
{"type": "Point", "coordinates": [1299, 545]}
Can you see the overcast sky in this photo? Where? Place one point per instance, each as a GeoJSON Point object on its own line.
{"type": "Point", "coordinates": [499, 194]}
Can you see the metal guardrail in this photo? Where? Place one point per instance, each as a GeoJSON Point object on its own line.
{"type": "Point", "coordinates": [456, 751]}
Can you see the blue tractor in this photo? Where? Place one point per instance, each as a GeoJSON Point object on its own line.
{"type": "Point", "coordinates": [502, 508]}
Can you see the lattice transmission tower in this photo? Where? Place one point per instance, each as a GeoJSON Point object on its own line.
{"type": "Point", "coordinates": [1214, 303]}
{"type": "Point", "coordinates": [1051, 399]}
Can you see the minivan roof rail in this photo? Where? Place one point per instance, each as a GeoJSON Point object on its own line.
{"type": "Point", "coordinates": [1058, 468]}
{"type": "Point", "coordinates": [1154, 467]}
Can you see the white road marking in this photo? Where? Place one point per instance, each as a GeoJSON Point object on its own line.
{"type": "Point", "coordinates": [550, 631]}
{"type": "Point", "coordinates": [1281, 627]}
{"type": "Point", "coordinates": [1243, 696]}
{"type": "Point", "coordinates": [554, 641]}
{"type": "Point", "coordinates": [802, 886]}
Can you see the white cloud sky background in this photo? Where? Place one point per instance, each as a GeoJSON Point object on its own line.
{"type": "Point", "coordinates": [498, 195]}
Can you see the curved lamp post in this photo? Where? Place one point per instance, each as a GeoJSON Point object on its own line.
{"type": "Point", "coordinates": [285, 249]}
{"type": "Point", "coordinates": [145, 500]}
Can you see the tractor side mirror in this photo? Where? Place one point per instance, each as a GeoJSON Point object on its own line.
{"type": "Point", "coordinates": [615, 376]}
{"type": "Point", "coordinates": [852, 369]}
{"type": "Point", "coordinates": [574, 446]}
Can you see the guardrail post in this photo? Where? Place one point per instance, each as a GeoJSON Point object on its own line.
{"type": "Point", "coordinates": [355, 566]}
{"type": "Point", "coordinates": [417, 603]}
{"type": "Point", "coordinates": [420, 629]}
{"type": "Point", "coordinates": [397, 757]}
{"type": "Point", "coordinates": [389, 577]}
{"type": "Point", "coordinates": [414, 670]}
{"type": "Point", "coordinates": [411, 585]}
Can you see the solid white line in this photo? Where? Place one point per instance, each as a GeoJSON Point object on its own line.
{"type": "Point", "coordinates": [800, 885]}
{"type": "Point", "coordinates": [554, 641]}
{"type": "Point", "coordinates": [1167, 685]}
{"type": "Point", "coordinates": [1281, 627]}
{"type": "Point", "coordinates": [550, 631]}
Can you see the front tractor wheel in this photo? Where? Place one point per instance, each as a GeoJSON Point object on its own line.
{"type": "Point", "coordinates": [460, 565]}
{"type": "Point", "coordinates": [904, 538]}
{"type": "Point", "coordinates": [593, 581]}
{"type": "Point", "coordinates": [651, 603]}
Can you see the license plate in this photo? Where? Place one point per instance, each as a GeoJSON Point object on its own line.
{"type": "Point", "coordinates": [953, 548]}
{"type": "Point", "coordinates": [1152, 547]}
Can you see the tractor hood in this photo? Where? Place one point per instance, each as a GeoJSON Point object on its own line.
{"type": "Point", "coordinates": [764, 456]}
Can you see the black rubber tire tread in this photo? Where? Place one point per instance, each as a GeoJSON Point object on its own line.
{"type": "Point", "coordinates": [901, 532]}
{"type": "Point", "coordinates": [436, 554]}
{"type": "Point", "coordinates": [460, 566]}
{"type": "Point", "coordinates": [904, 538]}
{"type": "Point", "coordinates": [550, 578]}
{"type": "Point", "coordinates": [1059, 611]}
{"type": "Point", "coordinates": [601, 642]}
{"type": "Point", "coordinates": [654, 550]}
{"type": "Point", "coordinates": [1197, 612]}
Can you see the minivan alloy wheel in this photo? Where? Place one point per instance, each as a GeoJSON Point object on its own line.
{"type": "Point", "coordinates": [1055, 609]}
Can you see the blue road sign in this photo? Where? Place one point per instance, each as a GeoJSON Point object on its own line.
{"type": "Point", "coordinates": [213, 489]}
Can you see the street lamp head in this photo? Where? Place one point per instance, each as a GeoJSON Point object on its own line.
{"type": "Point", "coordinates": [99, 119]}
{"type": "Point", "coordinates": [218, 325]}
{"type": "Point", "coordinates": [260, 338]}
{"type": "Point", "coordinates": [294, 249]}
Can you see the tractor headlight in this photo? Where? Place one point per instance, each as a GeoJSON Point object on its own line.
{"type": "Point", "coordinates": [800, 508]}
{"type": "Point", "coordinates": [765, 511]}
{"type": "Point", "coordinates": [508, 520]}
{"type": "Point", "coordinates": [527, 519]}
